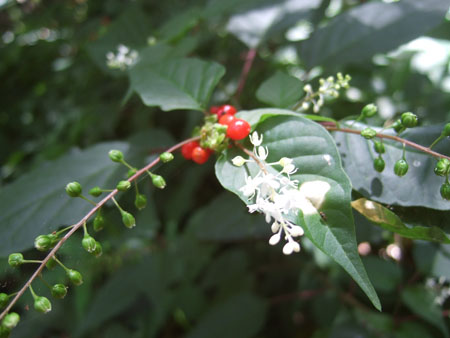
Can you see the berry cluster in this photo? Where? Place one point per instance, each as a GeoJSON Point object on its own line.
{"type": "Point", "coordinates": [214, 136]}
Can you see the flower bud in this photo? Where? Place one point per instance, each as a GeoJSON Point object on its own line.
{"type": "Point", "coordinates": [42, 304]}
{"type": "Point", "coordinates": [123, 186]}
{"type": "Point", "coordinates": [158, 181]}
{"type": "Point", "coordinates": [115, 155]}
{"type": "Point", "coordinates": [11, 320]}
{"type": "Point", "coordinates": [51, 263]}
{"type": "Point", "coordinates": [88, 242]}
{"type": "Point", "coordinates": [166, 157]}
{"type": "Point", "coordinates": [442, 167]}
{"type": "Point", "coordinates": [99, 222]}
{"type": "Point", "coordinates": [409, 120]}
{"type": "Point", "coordinates": [128, 219]}
{"type": "Point", "coordinates": [75, 277]}
{"type": "Point", "coordinates": [401, 168]}
{"type": "Point", "coordinates": [15, 259]}
{"type": "Point", "coordinates": [43, 243]}
{"type": "Point", "coordinates": [369, 110]}
{"type": "Point", "coordinates": [398, 126]}
{"type": "Point", "coordinates": [379, 147]}
{"type": "Point", "coordinates": [446, 131]}
{"type": "Point", "coordinates": [238, 161]}
{"type": "Point", "coordinates": [73, 189]}
{"type": "Point", "coordinates": [368, 133]}
{"type": "Point", "coordinates": [95, 191]}
{"type": "Point", "coordinates": [379, 164]}
{"type": "Point", "coordinates": [4, 300]}
{"type": "Point", "coordinates": [445, 191]}
{"type": "Point", "coordinates": [140, 202]}
{"type": "Point", "coordinates": [98, 249]}
{"type": "Point", "coordinates": [59, 291]}
{"type": "Point", "coordinates": [131, 172]}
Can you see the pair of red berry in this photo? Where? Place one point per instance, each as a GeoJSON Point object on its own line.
{"type": "Point", "coordinates": [237, 129]}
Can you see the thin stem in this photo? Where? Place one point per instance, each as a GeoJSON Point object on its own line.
{"type": "Point", "coordinates": [63, 230]}
{"type": "Point", "coordinates": [249, 153]}
{"type": "Point", "coordinates": [31, 261]}
{"type": "Point", "coordinates": [127, 164]}
{"type": "Point", "coordinates": [88, 200]}
{"type": "Point", "coordinates": [436, 141]}
{"type": "Point", "coordinates": [32, 292]}
{"type": "Point", "coordinates": [117, 205]}
{"type": "Point", "coordinates": [250, 57]}
{"type": "Point", "coordinates": [85, 232]}
{"type": "Point", "coordinates": [390, 137]}
{"type": "Point", "coordinates": [80, 223]}
{"type": "Point", "coordinates": [61, 264]}
{"type": "Point", "coordinates": [45, 282]}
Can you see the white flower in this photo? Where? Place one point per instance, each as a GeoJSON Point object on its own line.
{"type": "Point", "coordinates": [275, 239]}
{"type": "Point", "coordinates": [123, 59]}
{"type": "Point", "coordinates": [239, 161]}
{"type": "Point", "coordinates": [262, 153]}
{"type": "Point", "coordinates": [255, 139]}
{"type": "Point", "coordinates": [315, 191]}
{"type": "Point", "coordinates": [291, 247]}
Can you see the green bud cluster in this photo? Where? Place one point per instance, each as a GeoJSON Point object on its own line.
{"type": "Point", "coordinates": [379, 164]}
{"type": "Point", "coordinates": [51, 263]}
{"type": "Point", "coordinates": [89, 243]}
{"type": "Point", "coordinates": [4, 300]}
{"type": "Point", "coordinates": [446, 130]}
{"type": "Point", "coordinates": [398, 126]}
{"type": "Point", "coordinates": [140, 202]}
{"type": "Point", "coordinates": [158, 181]}
{"type": "Point", "coordinates": [15, 260]}
{"type": "Point", "coordinates": [42, 304]}
{"type": "Point", "coordinates": [131, 172]}
{"type": "Point", "coordinates": [445, 190]}
{"type": "Point", "coordinates": [401, 168]}
{"type": "Point", "coordinates": [442, 167]}
{"type": "Point", "coordinates": [369, 110]}
{"type": "Point", "coordinates": [73, 189]}
{"type": "Point", "coordinates": [128, 219]}
{"type": "Point", "coordinates": [379, 147]}
{"type": "Point", "coordinates": [75, 277]}
{"type": "Point", "coordinates": [123, 185]}
{"type": "Point", "coordinates": [166, 157]}
{"type": "Point", "coordinates": [59, 291]}
{"type": "Point", "coordinates": [95, 191]}
{"type": "Point", "coordinates": [409, 120]}
{"type": "Point", "coordinates": [99, 221]}
{"type": "Point", "coordinates": [115, 155]}
{"type": "Point", "coordinates": [368, 133]}
{"type": "Point", "coordinates": [45, 242]}
{"type": "Point", "coordinates": [10, 321]}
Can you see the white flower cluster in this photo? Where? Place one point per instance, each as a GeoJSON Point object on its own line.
{"type": "Point", "coordinates": [277, 196]}
{"type": "Point", "coordinates": [441, 287]}
{"type": "Point", "coordinates": [123, 59]}
{"type": "Point", "coordinates": [328, 88]}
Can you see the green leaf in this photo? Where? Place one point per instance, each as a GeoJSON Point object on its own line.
{"type": "Point", "coordinates": [421, 302]}
{"type": "Point", "coordinates": [419, 187]}
{"type": "Point", "coordinates": [386, 219]}
{"type": "Point", "coordinates": [176, 83]}
{"type": "Point", "coordinates": [179, 25]}
{"type": "Point", "coordinates": [255, 25]}
{"type": "Point", "coordinates": [385, 275]}
{"type": "Point", "coordinates": [280, 90]}
{"type": "Point", "coordinates": [239, 316]}
{"type": "Point", "coordinates": [37, 204]}
{"type": "Point", "coordinates": [371, 28]}
{"type": "Point", "coordinates": [315, 155]}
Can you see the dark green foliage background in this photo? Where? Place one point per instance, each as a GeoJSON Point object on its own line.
{"type": "Point", "coordinates": [198, 264]}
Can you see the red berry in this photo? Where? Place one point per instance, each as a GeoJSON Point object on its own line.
{"type": "Point", "coordinates": [200, 155]}
{"type": "Point", "coordinates": [238, 129]}
{"type": "Point", "coordinates": [186, 149]}
{"type": "Point", "coordinates": [226, 119]}
{"type": "Point", "coordinates": [226, 109]}
{"type": "Point", "coordinates": [213, 109]}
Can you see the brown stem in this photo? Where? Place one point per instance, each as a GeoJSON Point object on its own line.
{"type": "Point", "coordinates": [390, 137]}
{"type": "Point", "coordinates": [249, 153]}
{"type": "Point", "coordinates": [251, 54]}
{"type": "Point", "coordinates": [80, 224]}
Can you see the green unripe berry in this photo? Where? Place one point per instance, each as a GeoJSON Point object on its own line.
{"type": "Point", "coordinates": [445, 191]}
{"type": "Point", "coordinates": [59, 291]}
{"type": "Point", "coordinates": [398, 126]}
{"type": "Point", "coordinates": [51, 263]}
{"type": "Point", "coordinates": [4, 332]}
{"type": "Point", "coordinates": [379, 164]}
{"type": "Point", "coordinates": [73, 189]}
{"type": "Point", "coordinates": [446, 131]}
{"type": "Point", "coordinates": [42, 304]}
{"type": "Point", "coordinates": [99, 222]}
{"type": "Point", "coordinates": [88, 242]}
{"type": "Point", "coordinates": [140, 202]}
{"type": "Point", "coordinates": [75, 277]}
{"type": "Point", "coordinates": [401, 168]}
{"type": "Point", "coordinates": [98, 249]}
{"type": "Point", "coordinates": [115, 155]}
{"type": "Point", "coordinates": [123, 186]}
{"type": "Point", "coordinates": [166, 157]}
{"type": "Point", "coordinates": [4, 300]}
{"type": "Point", "coordinates": [43, 243]}
{"type": "Point", "coordinates": [131, 172]}
{"type": "Point", "coordinates": [128, 219]}
{"type": "Point", "coordinates": [442, 167]}
{"type": "Point", "coordinates": [369, 110]}
{"type": "Point", "coordinates": [409, 120]}
{"type": "Point", "coordinates": [379, 147]}
{"type": "Point", "coordinates": [95, 191]}
{"type": "Point", "coordinates": [368, 133]}
{"type": "Point", "coordinates": [158, 181]}
{"type": "Point", "coordinates": [15, 259]}
{"type": "Point", "coordinates": [11, 320]}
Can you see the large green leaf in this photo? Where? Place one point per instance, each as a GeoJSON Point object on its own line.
{"type": "Point", "coordinates": [421, 302]}
{"type": "Point", "coordinates": [315, 155]}
{"type": "Point", "coordinates": [419, 187]}
{"type": "Point", "coordinates": [386, 219]}
{"type": "Point", "coordinates": [176, 83]}
{"type": "Point", "coordinates": [280, 90]}
{"type": "Point", "coordinates": [374, 27]}
{"type": "Point", "coordinates": [255, 25]}
{"type": "Point", "coordinates": [36, 203]}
